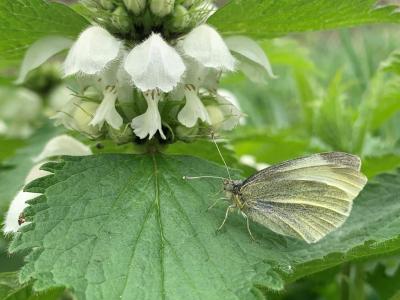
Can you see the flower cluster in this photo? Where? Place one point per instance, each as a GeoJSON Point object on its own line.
{"type": "Point", "coordinates": [155, 79]}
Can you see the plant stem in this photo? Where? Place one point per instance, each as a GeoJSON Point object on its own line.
{"type": "Point", "coordinates": [344, 282]}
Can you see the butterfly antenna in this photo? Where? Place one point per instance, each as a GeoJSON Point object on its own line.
{"type": "Point", "coordinates": [220, 154]}
{"type": "Point", "coordinates": [201, 177]}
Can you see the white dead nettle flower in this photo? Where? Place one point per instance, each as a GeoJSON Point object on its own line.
{"type": "Point", "coordinates": [149, 123]}
{"type": "Point", "coordinates": [206, 46]}
{"type": "Point", "coordinates": [96, 54]}
{"type": "Point", "coordinates": [106, 112]}
{"type": "Point", "coordinates": [154, 64]}
{"type": "Point", "coordinates": [194, 109]}
{"type": "Point", "coordinates": [252, 59]}
{"type": "Point", "coordinates": [92, 52]}
{"type": "Point", "coordinates": [61, 145]}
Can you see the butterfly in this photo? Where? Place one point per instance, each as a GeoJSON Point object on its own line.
{"type": "Point", "coordinates": [305, 198]}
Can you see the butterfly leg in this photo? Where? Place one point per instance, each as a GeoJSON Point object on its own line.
{"type": "Point", "coordinates": [215, 203]}
{"type": "Point", "coordinates": [226, 216]}
{"type": "Point", "coordinates": [248, 226]}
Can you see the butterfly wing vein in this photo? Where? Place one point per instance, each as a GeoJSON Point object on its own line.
{"type": "Point", "coordinates": [306, 198]}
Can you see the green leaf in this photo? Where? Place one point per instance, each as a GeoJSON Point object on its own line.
{"type": "Point", "coordinates": [374, 165]}
{"type": "Point", "coordinates": [271, 18]}
{"type": "Point", "coordinates": [387, 286]}
{"type": "Point", "coordinates": [10, 289]}
{"type": "Point", "coordinates": [134, 229]}
{"type": "Point", "coordinates": [23, 22]}
{"type": "Point", "coordinates": [14, 170]}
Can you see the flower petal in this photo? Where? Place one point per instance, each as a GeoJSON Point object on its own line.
{"type": "Point", "coordinates": [60, 145]}
{"type": "Point", "coordinates": [149, 123]}
{"type": "Point", "coordinates": [93, 50]}
{"type": "Point", "coordinates": [252, 59]}
{"type": "Point", "coordinates": [193, 110]}
{"type": "Point", "coordinates": [154, 65]}
{"type": "Point", "coordinates": [63, 145]}
{"type": "Point", "coordinates": [40, 52]}
{"type": "Point", "coordinates": [205, 45]}
{"type": "Point", "coordinates": [232, 115]}
{"type": "Point", "coordinates": [107, 112]}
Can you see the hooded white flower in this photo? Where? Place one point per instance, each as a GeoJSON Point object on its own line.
{"type": "Point", "coordinates": [206, 46]}
{"type": "Point", "coordinates": [107, 112]}
{"type": "Point", "coordinates": [150, 122]}
{"type": "Point", "coordinates": [154, 65]}
{"type": "Point", "coordinates": [193, 110]}
{"type": "Point", "coordinates": [61, 145]}
{"type": "Point", "coordinates": [91, 53]}
{"type": "Point", "coordinates": [252, 60]}
{"type": "Point", "coordinates": [232, 114]}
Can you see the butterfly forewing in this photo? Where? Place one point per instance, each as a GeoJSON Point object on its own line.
{"type": "Point", "coordinates": [304, 198]}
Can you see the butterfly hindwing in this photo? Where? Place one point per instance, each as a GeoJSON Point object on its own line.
{"type": "Point", "coordinates": [304, 198]}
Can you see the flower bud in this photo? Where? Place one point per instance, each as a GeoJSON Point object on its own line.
{"type": "Point", "coordinates": [107, 4]}
{"type": "Point", "coordinates": [181, 18]}
{"type": "Point", "coordinates": [188, 3]}
{"type": "Point", "coordinates": [161, 8]}
{"type": "Point", "coordinates": [120, 19]}
{"type": "Point", "coordinates": [135, 6]}
{"type": "Point", "coordinates": [121, 136]}
{"type": "Point", "coordinates": [92, 93]}
{"type": "Point", "coordinates": [186, 134]}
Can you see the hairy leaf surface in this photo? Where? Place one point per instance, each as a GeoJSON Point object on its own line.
{"type": "Point", "coordinates": [271, 18]}
{"type": "Point", "coordinates": [129, 227]}
{"type": "Point", "coordinates": [22, 22]}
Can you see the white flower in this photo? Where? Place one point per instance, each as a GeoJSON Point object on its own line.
{"type": "Point", "coordinates": [60, 145]}
{"type": "Point", "coordinates": [150, 122]}
{"type": "Point", "coordinates": [107, 112]}
{"type": "Point", "coordinates": [206, 46]}
{"type": "Point", "coordinates": [252, 60]}
{"type": "Point", "coordinates": [91, 53]}
{"type": "Point", "coordinates": [193, 110]}
{"type": "Point", "coordinates": [154, 65]}
{"type": "Point", "coordinates": [232, 115]}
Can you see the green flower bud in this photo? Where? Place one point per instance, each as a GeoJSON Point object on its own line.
{"type": "Point", "coordinates": [120, 19]}
{"type": "Point", "coordinates": [92, 93]}
{"type": "Point", "coordinates": [188, 3]}
{"type": "Point", "coordinates": [181, 18]}
{"type": "Point", "coordinates": [107, 4]}
{"type": "Point", "coordinates": [161, 8]}
{"type": "Point", "coordinates": [121, 136]}
{"type": "Point", "coordinates": [135, 6]}
{"type": "Point", "coordinates": [184, 133]}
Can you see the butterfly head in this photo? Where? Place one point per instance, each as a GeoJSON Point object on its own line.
{"type": "Point", "coordinates": [232, 187]}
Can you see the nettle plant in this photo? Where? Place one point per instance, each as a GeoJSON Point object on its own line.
{"type": "Point", "coordinates": [146, 74]}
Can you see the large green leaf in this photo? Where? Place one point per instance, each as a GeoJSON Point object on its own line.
{"type": "Point", "coordinates": [23, 22]}
{"type": "Point", "coordinates": [271, 18]}
{"type": "Point", "coordinates": [129, 227]}
{"type": "Point", "coordinates": [10, 289]}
